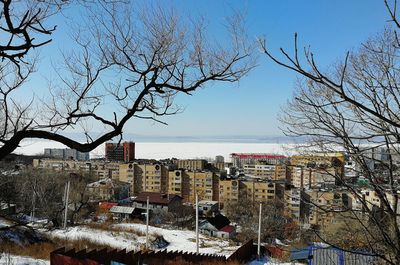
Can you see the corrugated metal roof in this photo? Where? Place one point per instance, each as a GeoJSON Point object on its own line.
{"type": "Point", "coordinates": [331, 256]}
{"type": "Point", "coordinates": [122, 209]}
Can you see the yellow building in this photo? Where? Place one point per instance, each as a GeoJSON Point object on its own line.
{"type": "Point", "coordinates": [187, 183]}
{"type": "Point", "coordinates": [191, 164]}
{"type": "Point", "coordinates": [324, 205]}
{"type": "Point", "coordinates": [321, 161]}
{"type": "Point", "coordinates": [146, 177]}
{"type": "Point", "coordinates": [266, 171]}
{"type": "Point", "coordinates": [228, 192]}
{"type": "Point", "coordinates": [178, 183]}
{"type": "Point", "coordinates": [127, 172]}
{"type": "Point", "coordinates": [309, 178]}
{"type": "Point", "coordinates": [205, 184]}
{"type": "Point", "coordinates": [261, 190]}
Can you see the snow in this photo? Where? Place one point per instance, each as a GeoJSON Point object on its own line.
{"type": "Point", "coordinates": [182, 240]}
{"type": "Point", "coordinates": [185, 240]}
{"type": "Point", "coordinates": [5, 223]}
{"type": "Point", "coordinates": [8, 259]}
{"type": "Point", "coordinates": [173, 149]}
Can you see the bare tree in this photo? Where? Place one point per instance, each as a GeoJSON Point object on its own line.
{"type": "Point", "coordinates": [354, 106]}
{"type": "Point", "coordinates": [245, 213]}
{"type": "Point", "coordinates": [127, 63]}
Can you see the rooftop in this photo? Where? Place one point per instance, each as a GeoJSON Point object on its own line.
{"type": "Point", "coordinates": [156, 198]}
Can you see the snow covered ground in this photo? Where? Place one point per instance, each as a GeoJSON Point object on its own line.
{"type": "Point", "coordinates": [8, 259]}
{"type": "Point", "coordinates": [5, 223]}
{"type": "Point", "coordinates": [132, 237]}
{"type": "Point", "coordinates": [182, 240]}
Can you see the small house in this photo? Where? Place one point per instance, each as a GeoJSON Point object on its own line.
{"type": "Point", "coordinates": [218, 226]}
{"type": "Point", "coordinates": [158, 201]}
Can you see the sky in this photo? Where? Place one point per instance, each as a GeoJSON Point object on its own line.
{"type": "Point", "coordinates": [251, 107]}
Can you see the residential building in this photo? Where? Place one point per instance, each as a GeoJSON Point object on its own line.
{"type": "Point", "coordinates": [295, 204]}
{"type": "Point", "coordinates": [219, 159]}
{"type": "Point", "coordinates": [266, 171]}
{"type": "Point", "coordinates": [189, 183]}
{"type": "Point", "coordinates": [120, 152]}
{"type": "Point", "coordinates": [240, 159]}
{"type": "Point", "coordinates": [98, 169]}
{"type": "Point", "coordinates": [204, 184]}
{"type": "Point", "coordinates": [101, 190]}
{"type": "Point", "coordinates": [324, 205]}
{"type": "Point", "coordinates": [191, 164]}
{"type": "Point", "coordinates": [334, 162]}
{"type": "Point", "coordinates": [178, 183]}
{"type": "Point", "coordinates": [127, 172]}
{"type": "Point", "coordinates": [158, 201]}
{"type": "Point", "coordinates": [258, 190]}
{"type": "Point", "coordinates": [148, 178]}
{"type": "Point", "coordinates": [228, 191]}
{"type": "Point", "coordinates": [309, 178]}
{"type": "Point", "coordinates": [66, 154]}
{"type": "Point", "coordinates": [218, 226]}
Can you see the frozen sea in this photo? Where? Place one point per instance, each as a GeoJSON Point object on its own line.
{"type": "Point", "coordinates": [161, 150]}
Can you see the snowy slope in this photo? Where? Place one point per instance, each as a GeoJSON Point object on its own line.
{"type": "Point", "coordinates": [7, 259]}
{"type": "Point", "coordinates": [178, 239]}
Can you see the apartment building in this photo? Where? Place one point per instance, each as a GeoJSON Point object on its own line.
{"type": "Point", "coordinates": [146, 177]}
{"type": "Point", "coordinates": [320, 161]}
{"type": "Point", "coordinates": [228, 191]}
{"type": "Point", "coordinates": [101, 190]}
{"type": "Point", "coordinates": [178, 183]}
{"type": "Point", "coordinates": [324, 206]}
{"type": "Point", "coordinates": [240, 159]}
{"type": "Point", "coordinates": [190, 164]}
{"type": "Point", "coordinates": [295, 204]}
{"type": "Point", "coordinates": [204, 184]}
{"type": "Point", "coordinates": [309, 178]}
{"type": "Point", "coordinates": [127, 172]}
{"type": "Point", "coordinates": [98, 169]}
{"type": "Point", "coordinates": [189, 183]}
{"type": "Point", "coordinates": [258, 190]}
{"type": "Point", "coordinates": [66, 153]}
{"type": "Point", "coordinates": [266, 171]}
{"type": "Point", "coordinates": [120, 151]}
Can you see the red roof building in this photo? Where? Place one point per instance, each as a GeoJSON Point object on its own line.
{"type": "Point", "coordinates": [228, 229]}
{"type": "Point", "coordinates": [239, 159]}
{"type": "Point", "coordinates": [157, 201]}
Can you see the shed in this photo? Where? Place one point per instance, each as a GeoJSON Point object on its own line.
{"type": "Point", "coordinates": [122, 212]}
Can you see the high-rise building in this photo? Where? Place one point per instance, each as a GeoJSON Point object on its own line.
{"type": "Point", "coordinates": [189, 183]}
{"type": "Point", "coordinates": [66, 154]}
{"type": "Point", "coordinates": [120, 152]}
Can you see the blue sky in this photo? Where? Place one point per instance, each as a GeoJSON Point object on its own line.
{"type": "Point", "coordinates": [251, 106]}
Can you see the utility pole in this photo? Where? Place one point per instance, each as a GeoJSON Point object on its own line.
{"type": "Point", "coordinates": [147, 224]}
{"type": "Point", "coordinates": [197, 223]}
{"type": "Point", "coordinates": [259, 233]}
{"type": "Point", "coordinates": [66, 203]}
